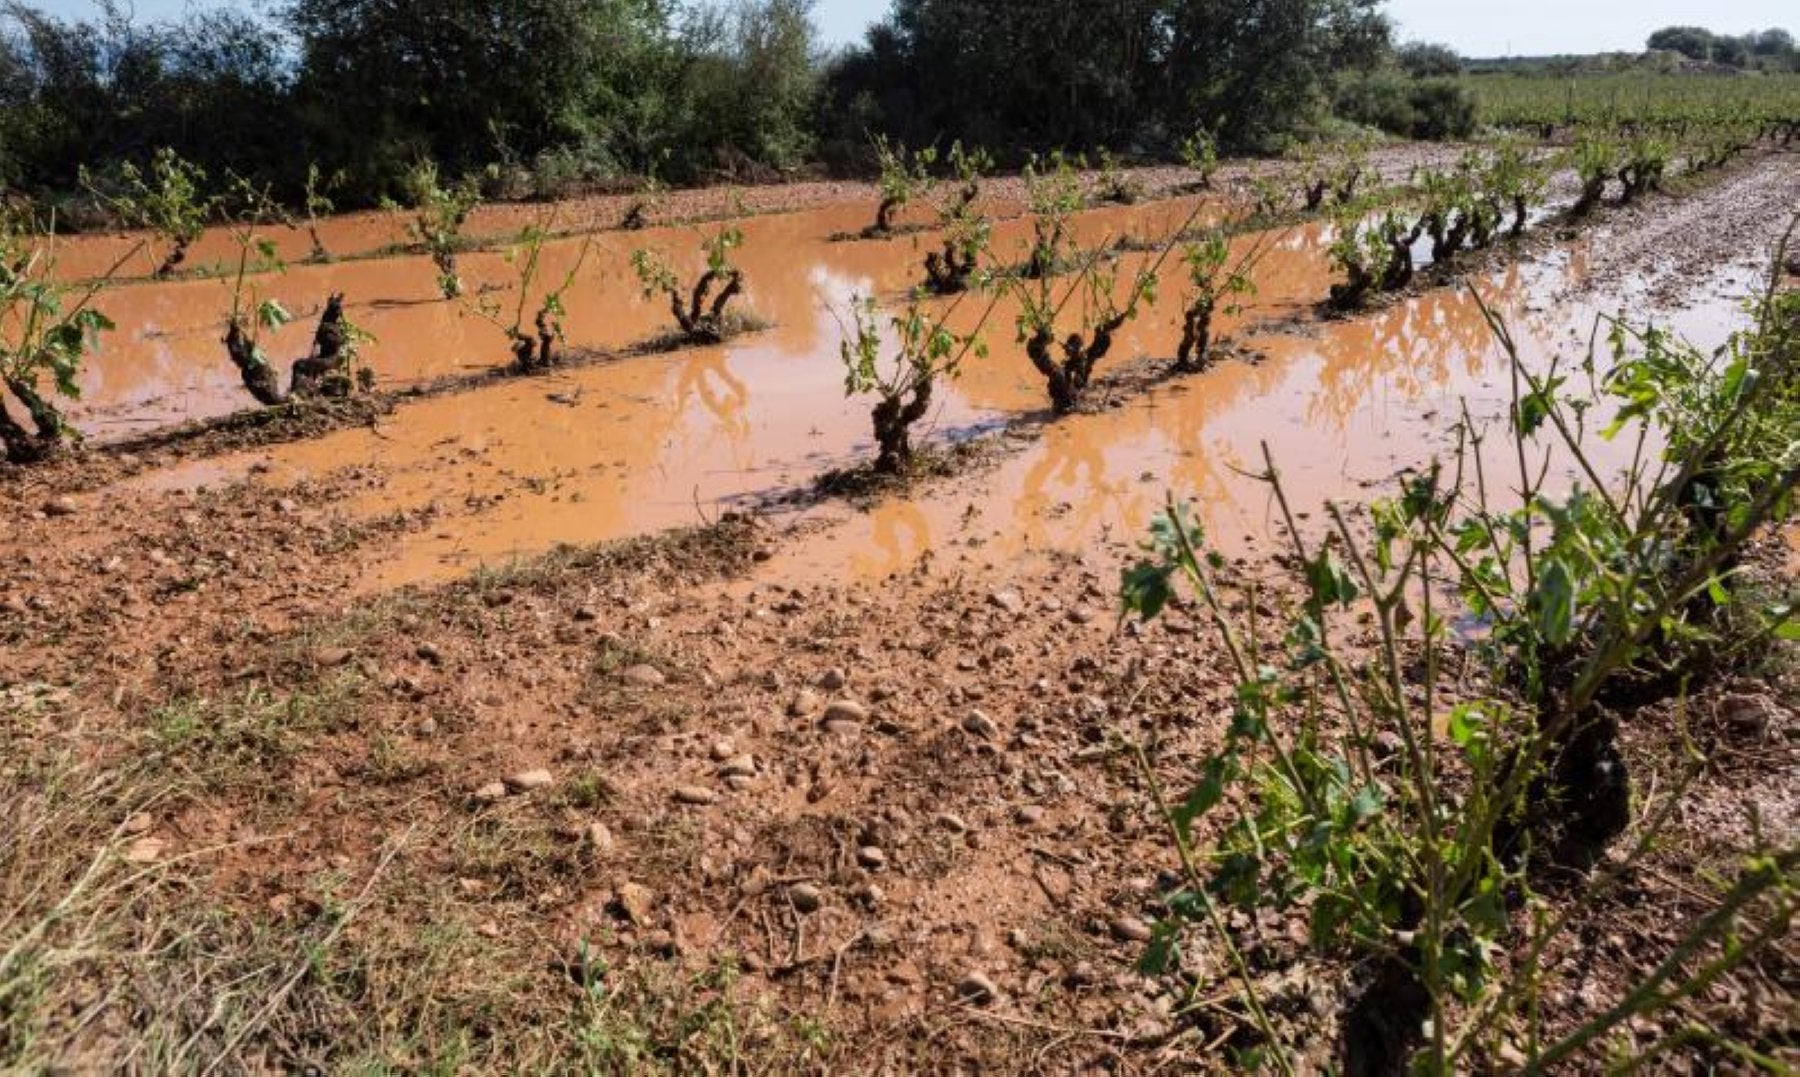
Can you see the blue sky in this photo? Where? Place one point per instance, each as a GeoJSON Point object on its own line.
{"type": "Point", "coordinates": [1515, 26]}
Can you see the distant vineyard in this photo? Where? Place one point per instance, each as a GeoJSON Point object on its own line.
{"type": "Point", "coordinates": [1634, 98]}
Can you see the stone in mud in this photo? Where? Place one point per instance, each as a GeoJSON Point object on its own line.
{"type": "Point", "coordinates": [845, 710]}
{"type": "Point", "coordinates": [979, 725]}
{"type": "Point", "coordinates": [145, 851]}
{"type": "Point", "coordinates": [530, 780]}
{"type": "Point", "coordinates": [643, 676]}
{"type": "Point", "coordinates": [1129, 929]}
{"type": "Point", "coordinates": [637, 902]}
{"type": "Point", "coordinates": [1009, 600]}
{"type": "Point", "coordinates": [806, 897]}
{"type": "Point", "coordinates": [978, 988]}
{"type": "Point", "coordinates": [332, 657]}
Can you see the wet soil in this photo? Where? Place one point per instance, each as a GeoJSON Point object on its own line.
{"type": "Point", "coordinates": [880, 761]}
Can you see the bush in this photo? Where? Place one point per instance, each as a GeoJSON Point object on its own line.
{"type": "Point", "coordinates": [1433, 109]}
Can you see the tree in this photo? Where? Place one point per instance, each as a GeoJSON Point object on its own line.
{"type": "Point", "coordinates": [1424, 60]}
{"type": "Point", "coordinates": [1694, 42]}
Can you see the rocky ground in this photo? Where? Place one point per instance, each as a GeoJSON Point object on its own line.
{"type": "Point", "coordinates": [636, 806]}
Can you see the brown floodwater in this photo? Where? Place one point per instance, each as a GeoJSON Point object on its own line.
{"type": "Point", "coordinates": [166, 364]}
{"type": "Point", "coordinates": [636, 445]}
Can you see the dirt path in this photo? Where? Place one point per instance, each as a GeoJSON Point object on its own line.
{"type": "Point", "coordinates": [683, 799]}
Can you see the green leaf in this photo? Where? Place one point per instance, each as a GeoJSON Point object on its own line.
{"type": "Point", "coordinates": [1553, 604]}
{"type": "Point", "coordinates": [1145, 589]}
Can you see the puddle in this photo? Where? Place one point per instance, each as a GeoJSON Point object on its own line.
{"type": "Point", "coordinates": [638, 445]}
{"type": "Point", "coordinates": [1345, 411]}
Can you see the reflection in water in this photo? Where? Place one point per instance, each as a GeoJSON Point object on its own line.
{"type": "Point", "coordinates": [634, 446]}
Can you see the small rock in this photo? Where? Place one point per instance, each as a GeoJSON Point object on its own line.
{"type": "Point", "coordinates": [145, 851]}
{"type": "Point", "coordinates": [804, 703]}
{"type": "Point", "coordinates": [598, 838]}
{"type": "Point", "coordinates": [806, 897]}
{"type": "Point", "coordinates": [426, 726]}
{"type": "Point", "coordinates": [430, 653]}
{"type": "Point", "coordinates": [138, 823]}
{"type": "Point", "coordinates": [1030, 815]}
{"type": "Point", "coordinates": [587, 613]}
{"type": "Point", "coordinates": [953, 823]}
{"type": "Point", "coordinates": [643, 676]}
{"type": "Point", "coordinates": [844, 716]}
{"type": "Point", "coordinates": [695, 795]}
{"type": "Point", "coordinates": [976, 987]}
{"type": "Point", "coordinates": [741, 766]}
{"type": "Point", "coordinates": [979, 725]}
{"type": "Point", "coordinates": [332, 657]}
{"type": "Point", "coordinates": [491, 792]}
{"type": "Point", "coordinates": [637, 902]}
{"type": "Point", "coordinates": [832, 680]}
{"type": "Point", "coordinates": [871, 857]}
{"type": "Point", "coordinates": [1009, 600]}
{"type": "Point", "coordinates": [61, 506]}
{"type": "Point", "coordinates": [723, 750]}
{"type": "Point", "coordinates": [527, 781]}
{"type": "Point", "coordinates": [1129, 929]}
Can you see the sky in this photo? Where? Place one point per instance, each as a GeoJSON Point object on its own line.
{"type": "Point", "coordinates": [1514, 27]}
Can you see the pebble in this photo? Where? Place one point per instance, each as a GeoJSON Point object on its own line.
{"type": "Point", "coordinates": [953, 823]}
{"type": "Point", "coordinates": [804, 703]}
{"type": "Point", "coordinates": [138, 823]}
{"type": "Point", "coordinates": [1031, 815]}
{"type": "Point", "coordinates": [145, 851]}
{"type": "Point", "coordinates": [642, 676]}
{"type": "Point", "coordinates": [490, 792]}
{"type": "Point", "coordinates": [844, 716]}
{"type": "Point", "coordinates": [332, 657]}
{"type": "Point", "coordinates": [741, 766]}
{"type": "Point", "coordinates": [833, 679]}
{"type": "Point", "coordinates": [61, 506]}
{"type": "Point", "coordinates": [1009, 600]}
{"type": "Point", "coordinates": [430, 653]}
{"type": "Point", "coordinates": [529, 780]}
{"type": "Point", "coordinates": [979, 725]}
{"type": "Point", "coordinates": [1129, 929]}
{"type": "Point", "coordinates": [806, 897]}
{"type": "Point", "coordinates": [598, 837]}
{"type": "Point", "coordinates": [871, 857]}
{"type": "Point", "coordinates": [976, 987]}
{"type": "Point", "coordinates": [636, 902]}
{"type": "Point", "coordinates": [695, 795]}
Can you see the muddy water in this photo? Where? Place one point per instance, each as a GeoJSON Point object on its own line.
{"type": "Point", "coordinates": [1345, 409]}
{"type": "Point", "coordinates": [632, 446]}
{"type": "Point", "coordinates": [166, 363]}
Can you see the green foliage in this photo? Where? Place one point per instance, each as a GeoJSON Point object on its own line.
{"type": "Point", "coordinates": [533, 343]}
{"type": "Point", "coordinates": [47, 329]}
{"type": "Point", "coordinates": [966, 228]}
{"type": "Point", "coordinates": [1408, 107]}
{"type": "Point", "coordinates": [924, 351]}
{"type": "Point", "coordinates": [1200, 152]}
{"type": "Point", "coordinates": [435, 215]}
{"type": "Point", "coordinates": [1215, 284]}
{"type": "Point", "coordinates": [904, 177]}
{"type": "Point", "coordinates": [1052, 196]}
{"type": "Point", "coordinates": [1376, 791]}
{"type": "Point", "coordinates": [168, 199]}
{"type": "Point", "coordinates": [1595, 158]}
{"type": "Point", "coordinates": [1114, 184]}
{"type": "Point", "coordinates": [700, 312]}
